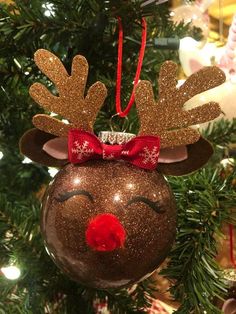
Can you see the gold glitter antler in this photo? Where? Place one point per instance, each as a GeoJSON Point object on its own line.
{"type": "Point", "coordinates": [167, 118]}
{"type": "Point", "coordinates": [70, 104]}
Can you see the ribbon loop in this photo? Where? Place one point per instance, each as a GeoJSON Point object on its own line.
{"type": "Point", "coordinates": [119, 68]}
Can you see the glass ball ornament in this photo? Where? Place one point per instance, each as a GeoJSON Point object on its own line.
{"type": "Point", "coordinates": [228, 305]}
{"type": "Point", "coordinates": [141, 226]}
{"type": "Point", "coordinates": [191, 14]}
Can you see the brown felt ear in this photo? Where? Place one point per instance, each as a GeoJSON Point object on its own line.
{"type": "Point", "coordinates": [198, 155]}
{"type": "Point", "coordinates": [31, 145]}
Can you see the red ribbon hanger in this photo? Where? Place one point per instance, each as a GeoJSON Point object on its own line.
{"type": "Point", "coordinates": [231, 244]}
{"type": "Point", "coordinates": [119, 68]}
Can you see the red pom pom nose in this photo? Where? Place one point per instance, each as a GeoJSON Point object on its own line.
{"type": "Point", "coordinates": [105, 233]}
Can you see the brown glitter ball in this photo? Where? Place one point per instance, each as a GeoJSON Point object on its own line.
{"type": "Point", "coordinates": [140, 199]}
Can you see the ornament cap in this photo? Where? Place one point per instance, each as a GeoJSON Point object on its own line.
{"type": "Point", "coordinates": [111, 137]}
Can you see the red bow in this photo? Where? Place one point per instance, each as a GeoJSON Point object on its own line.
{"type": "Point", "coordinates": [141, 151]}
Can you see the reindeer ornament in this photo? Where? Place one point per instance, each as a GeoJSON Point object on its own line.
{"type": "Point", "coordinates": [109, 216]}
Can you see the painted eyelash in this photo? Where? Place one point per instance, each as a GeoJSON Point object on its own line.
{"type": "Point", "coordinates": [65, 196]}
{"type": "Point", "coordinates": [154, 205]}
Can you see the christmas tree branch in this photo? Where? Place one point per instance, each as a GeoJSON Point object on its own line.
{"type": "Point", "coordinates": [204, 200]}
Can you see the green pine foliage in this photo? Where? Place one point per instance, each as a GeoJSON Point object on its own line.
{"type": "Point", "coordinates": [204, 199]}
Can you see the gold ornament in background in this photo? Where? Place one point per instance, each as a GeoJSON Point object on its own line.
{"type": "Point", "coordinates": [228, 9]}
{"type": "Point", "coordinates": [6, 1]}
{"type": "Point", "coordinates": [161, 287]}
{"type": "Point", "coordinates": [221, 13]}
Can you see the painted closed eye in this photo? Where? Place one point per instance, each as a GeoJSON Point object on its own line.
{"type": "Point", "coordinates": [66, 195]}
{"type": "Point", "coordinates": [154, 205]}
{"type": "Point", "coordinates": [72, 204]}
